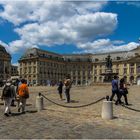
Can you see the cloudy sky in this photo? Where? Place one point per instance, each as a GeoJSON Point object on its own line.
{"type": "Point", "coordinates": [69, 26]}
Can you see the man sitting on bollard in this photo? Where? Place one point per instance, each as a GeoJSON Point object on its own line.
{"type": "Point", "coordinates": [115, 90]}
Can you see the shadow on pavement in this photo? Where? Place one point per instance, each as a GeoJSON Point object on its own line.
{"type": "Point", "coordinates": [16, 114]}
{"type": "Point", "coordinates": [114, 117]}
{"type": "Point", "coordinates": [73, 101]}
{"type": "Point", "coordinates": [31, 111]}
{"type": "Point", "coordinates": [28, 104]}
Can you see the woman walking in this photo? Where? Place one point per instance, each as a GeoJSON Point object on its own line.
{"type": "Point", "coordinates": [123, 90]}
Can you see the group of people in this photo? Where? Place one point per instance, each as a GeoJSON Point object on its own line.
{"type": "Point", "coordinates": [67, 86]}
{"type": "Point", "coordinates": [15, 91]}
{"type": "Point", "coordinates": [119, 88]}
{"type": "Point", "coordinates": [20, 92]}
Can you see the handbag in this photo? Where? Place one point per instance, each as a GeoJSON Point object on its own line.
{"type": "Point", "coordinates": [125, 91]}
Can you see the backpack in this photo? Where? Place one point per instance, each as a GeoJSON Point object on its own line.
{"type": "Point", "coordinates": [25, 94]}
{"type": "Point", "coordinates": [7, 91]}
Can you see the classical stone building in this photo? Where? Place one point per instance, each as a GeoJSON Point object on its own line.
{"type": "Point", "coordinates": [125, 63]}
{"type": "Point", "coordinates": [5, 64]}
{"type": "Point", "coordinates": [41, 67]}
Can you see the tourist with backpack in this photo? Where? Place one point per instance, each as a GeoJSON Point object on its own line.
{"type": "Point", "coordinates": [8, 94]}
{"type": "Point", "coordinates": [23, 93]}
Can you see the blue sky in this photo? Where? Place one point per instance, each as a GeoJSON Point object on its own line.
{"type": "Point", "coordinates": [69, 27]}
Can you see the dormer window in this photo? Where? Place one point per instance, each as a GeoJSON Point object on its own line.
{"type": "Point", "coordinates": [96, 59]}
{"type": "Point", "coordinates": [31, 55]}
{"type": "Point", "coordinates": [118, 58]}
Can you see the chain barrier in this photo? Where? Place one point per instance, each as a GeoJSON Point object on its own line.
{"type": "Point", "coordinates": [133, 109]}
{"type": "Point", "coordinates": [125, 106]}
{"type": "Point", "coordinates": [80, 106]}
{"type": "Point", "coordinates": [72, 106]}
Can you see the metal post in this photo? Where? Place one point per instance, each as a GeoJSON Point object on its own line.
{"type": "Point", "coordinates": [39, 102]}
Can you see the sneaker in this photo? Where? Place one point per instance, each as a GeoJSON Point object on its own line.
{"type": "Point", "coordinates": [10, 113]}
{"type": "Point", "coordinates": [6, 114]}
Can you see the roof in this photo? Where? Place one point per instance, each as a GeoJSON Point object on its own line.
{"type": "Point", "coordinates": [120, 55]}
{"type": "Point", "coordinates": [3, 51]}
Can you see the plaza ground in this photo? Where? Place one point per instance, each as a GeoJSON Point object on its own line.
{"type": "Point", "coordinates": [56, 122]}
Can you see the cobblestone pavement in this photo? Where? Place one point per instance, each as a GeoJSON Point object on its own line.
{"type": "Point", "coordinates": [56, 122]}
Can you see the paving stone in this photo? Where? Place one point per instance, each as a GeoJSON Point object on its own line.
{"type": "Point", "coordinates": [56, 122]}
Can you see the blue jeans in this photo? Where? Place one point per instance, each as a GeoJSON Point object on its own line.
{"type": "Point", "coordinates": [117, 94]}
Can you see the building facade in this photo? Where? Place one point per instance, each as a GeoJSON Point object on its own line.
{"type": "Point", "coordinates": [14, 70]}
{"type": "Point", "coordinates": [41, 67]}
{"type": "Point", "coordinates": [5, 64]}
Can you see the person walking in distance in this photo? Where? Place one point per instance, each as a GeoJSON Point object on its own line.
{"type": "Point", "coordinates": [67, 84]}
{"type": "Point", "coordinates": [115, 90]}
{"type": "Point", "coordinates": [8, 94]}
{"type": "Point", "coordinates": [23, 93]}
{"type": "Point", "coordinates": [123, 90]}
{"type": "Point", "coordinates": [13, 100]}
{"type": "Point", "coordinates": [60, 89]}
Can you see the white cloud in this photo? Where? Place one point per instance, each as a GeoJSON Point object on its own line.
{"type": "Point", "coordinates": [132, 3]}
{"type": "Point", "coordinates": [93, 25]}
{"type": "Point", "coordinates": [49, 23]}
{"type": "Point", "coordinates": [118, 42]}
{"type": "Point", "coordinates": [14, 46]}
{"type": "Point", "coordinates": [105, 45]}
{"type": "Point", "coordinates": [19, 45]}
{"type": "Point", "coordinates": [15, 64]}
{"type": "Point", "coordinates": [78, 28]}
{"type": "Point", "coordinates": [18, 12]}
